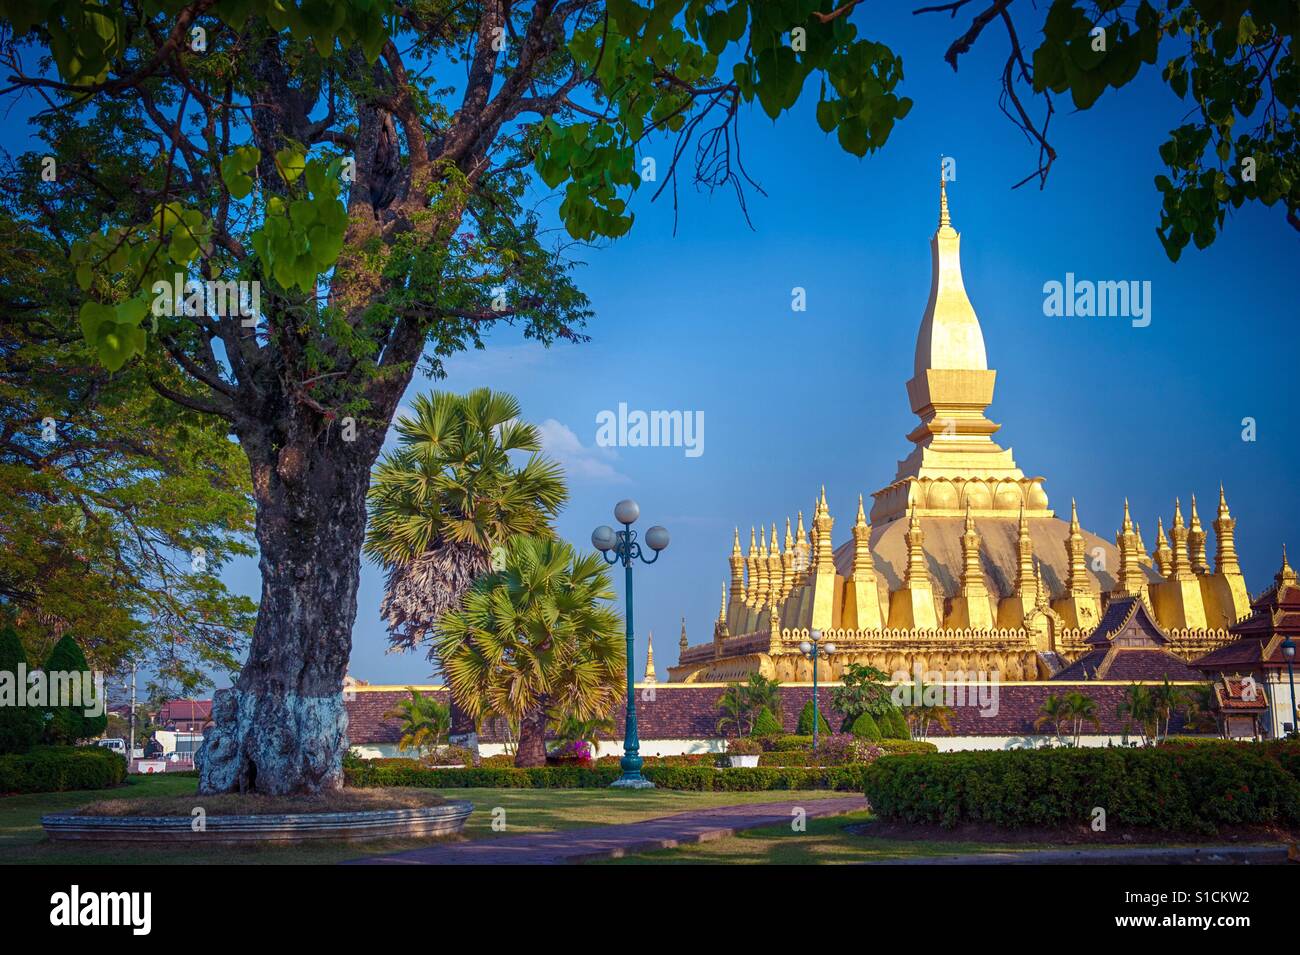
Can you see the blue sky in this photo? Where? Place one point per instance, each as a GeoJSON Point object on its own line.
{"type": "Point", "coordinates": [701, 321]}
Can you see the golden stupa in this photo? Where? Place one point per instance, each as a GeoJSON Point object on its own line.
{"type": "Point", "coordinates": [961, 565]}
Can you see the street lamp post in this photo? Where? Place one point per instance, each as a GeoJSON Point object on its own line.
{"type": "Point", "coordinates": [1288, 653]}
{"type": "Point", "coordinates": [812, 648]}
{"type": "Point", "coordinates": [623, 547]}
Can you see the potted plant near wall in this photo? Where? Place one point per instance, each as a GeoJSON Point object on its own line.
{"type": "Point", "coordinates": [743, 751]}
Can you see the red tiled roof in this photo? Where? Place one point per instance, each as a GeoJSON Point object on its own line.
{"type": "Point", "coordinates": [1230, 693]}
{"type": "Point", "coordinates": [185, 711]}
{"type": "Point", "coordinates": [1125, 663]}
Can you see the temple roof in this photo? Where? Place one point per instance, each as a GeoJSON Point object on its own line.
{"type": "Point", "coordinates": [1128, 645]}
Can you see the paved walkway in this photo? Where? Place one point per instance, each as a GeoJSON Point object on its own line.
{"type": "Point", "coordinates": [609, 842]}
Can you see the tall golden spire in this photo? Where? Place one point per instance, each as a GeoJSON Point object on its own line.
{"type": "Point", "coordinates": [1026, 581]}
{"type": "Point", "coordinates": [760, 598]}
{"type": "Point", "coordinates": [1180, 566]}
{"type": "Point", "coordinates": [803, 553]}
{"type": "Point", "coordinates": [1225, 548]}
{"type": "Point", "coordinates": [863, 567]}
{"type": "Point", "coordinates": [972, 576]}
{"type": "Point", "coordinates": [775, 570]}
{"type": "Point", "coordinates": [1077, 582]}
{"type": "Point", "coordinates": [824, 523]}
{"type": "Point", "coordinates": [1131, 579]}
{"type": "Point", "coordinates": [787, 562]}
{"type": "Point", "coordinates": [1164, 556]}
{"type": "Point", "coordinates": [1196, 543]}
{"type": "Point", "coordinates": [737, 562]}
{"type": "Point", "coordinates": [917, 570]}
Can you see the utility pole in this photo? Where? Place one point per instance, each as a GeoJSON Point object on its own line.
{"type": "Point", "coordinates": [130, 753]}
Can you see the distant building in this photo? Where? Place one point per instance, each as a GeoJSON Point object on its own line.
{"type": "Point", "coordinates": [185, 716]}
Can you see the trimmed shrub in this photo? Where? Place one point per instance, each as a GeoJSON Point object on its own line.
{"type": "Point", "coordinates": [893, 725]}
{"type": "Point", "coordinates": [806, 722]}
{"type": "Point", "coordinates": [785, 743]}
{"type": "Point", "coordinates": [20, 726]}
{"type": "Point", "coordinates": [692, 778]}
{"type": "Point", "coordinates": [1172, 788]}
{"type": "Point", "coordinates": [766, 724]}
{"type": "Point", "coordinates": [48, 769]}
{"type": "Point", "coordinates": [865, 727]}
{"type": "Point", "coordinates": [70, 724]}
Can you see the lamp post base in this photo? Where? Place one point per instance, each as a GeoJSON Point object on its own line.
{"type": "Point", "coordinates": [631, 782]}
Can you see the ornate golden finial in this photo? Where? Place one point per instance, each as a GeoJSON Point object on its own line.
{"type": "Point", "coordinates": [753, 550]}
{"type": "Point", "coordinates": [917, 571]}
{"type": "Point", "coordinates": [789, 538]}
{"type": "Point", "coordinates": [1285, 575]}
{"type": "Point", "coordinates": [862, 514]}
{"type": "Point", "coordinates": [970, 520]}
{"type": "Point", "coordinates": [1223, 502]}
{"type": "Point", "coordinates": [1131, 579]}
{"type": "Point", "coordinates": [735, 542]}
{"type": "Point", "coordinates": [1025, 580]}
{"type": "Point", "coordinates": [1178, 513]}
{"type": "Point", "coordinates": [1074, 517]}
{"type": "Point", "coordinates": [945, 220]}
{"type": "Point", "coordinates": [737, 565]}
{"type": "Point", "coordinates": [1127, 526]}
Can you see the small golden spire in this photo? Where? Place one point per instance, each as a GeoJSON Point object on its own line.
{"type": "Point", "coordinates": [789, 539]}
{"type": "Point", "coordinates": [1285, 575]}
{"type": "Point", "coordinates": [1178, 514]}
{"type": "Point", "coordinates": [650, 659]}
{"type": "Point", "coordinates": [1074, 517]}
{"type": "Point", "coordinates": [1127, 526]}
{"type": "Point", "coordinates": [970, 521]}
{"type": "Point", "coordinates": [1223, 502]}
{"type": "Point", "coordinates": [753, 548]}
{"type": "Point", "coordinates": [735, 543]}
{"type": "Point", "coordinates": [862, 514]}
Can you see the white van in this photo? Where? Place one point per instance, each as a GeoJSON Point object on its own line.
{"type": "Point", "coordinates": [116, 745]}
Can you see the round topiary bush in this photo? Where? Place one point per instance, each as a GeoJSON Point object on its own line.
{"type": "Point", "coordinates": [806, 721]}
{"type": "Point", "coordinates": [865, 727]}
{"type": "Point", "coordinates": [766, 724]}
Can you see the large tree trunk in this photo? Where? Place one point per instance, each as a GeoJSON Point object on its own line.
{"type": "Point", "coordinates": [282, 728]}
{"type": "Point", "coordinates": [531, 750]}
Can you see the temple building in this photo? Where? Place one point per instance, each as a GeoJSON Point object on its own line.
{"type": "Point", "coordinates": [960, 563]}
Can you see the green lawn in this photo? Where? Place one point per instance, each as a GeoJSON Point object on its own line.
{"type": "Point", "coordinates": [525, 810]}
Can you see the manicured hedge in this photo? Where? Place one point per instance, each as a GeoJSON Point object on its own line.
{"type": "Point", "coordinates": [47, 769]}
{"type": "Point", "coordinates": [891, 747]}
{"type": "Point", "coordinates": [1193, 788]}
{"type": "Point", "coordinates": [694, 778]}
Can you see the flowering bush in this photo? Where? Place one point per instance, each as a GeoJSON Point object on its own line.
{"type": "Point", "coordinates": [450, 756]}
{"type": "Point", "coordinates": [576, 751]}
{"type": "Point", "coordinates": [743, 746]}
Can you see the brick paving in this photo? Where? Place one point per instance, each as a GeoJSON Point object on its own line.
{"type": "Point", "coordinates": [607, 842]}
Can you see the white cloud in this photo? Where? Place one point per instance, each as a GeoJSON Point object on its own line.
{"type": "Point", "coordinates": [578, 460]}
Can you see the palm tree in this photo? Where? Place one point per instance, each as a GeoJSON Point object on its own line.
{"type": "Point", "coordinates": [535, 642]}
{"type": "Point", "coordinates": [425, 722]}
{"type": "Point", "coordinates": [1166, 700]}
{"type": "Point", "coordinates": [1054, 711]}
{"type": "Point", "coordinates": [1139, 705]}
{"type": "Point", "coordinates": [764, 692]}
{"type": "Point", "coordinates": [1082, 709]}
{"type": "Point", "coordinates": [737, 706]}
{"type": "Point", "coordinates": [448, 497]}
{"type": "Point", "coordinates": [920, 714]}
